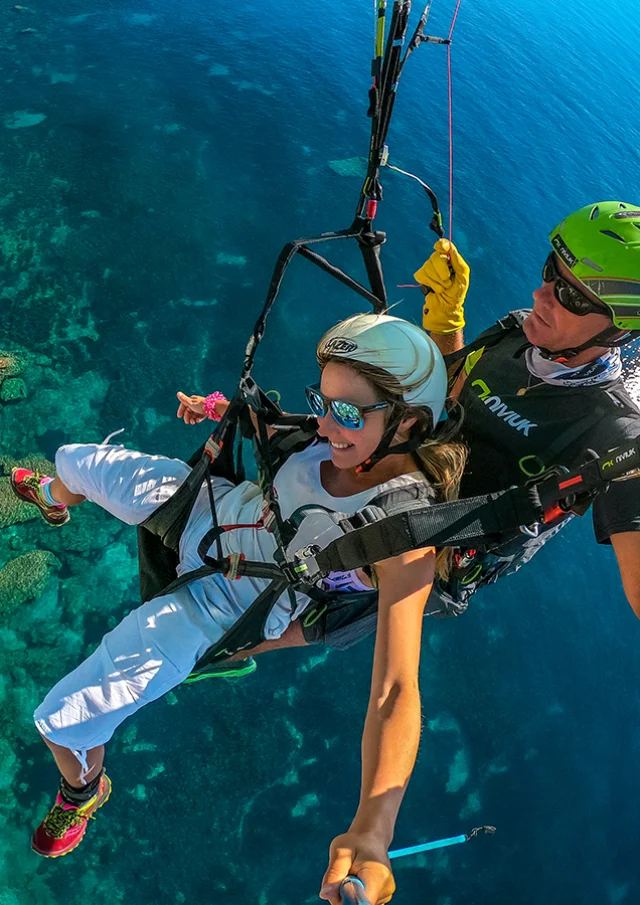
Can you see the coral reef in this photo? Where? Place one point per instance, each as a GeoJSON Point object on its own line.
{"type": "Point", "coordinates": [13, 389]}
{"type": "Point", "coordinates": [12, 363]}
{"type": "Point", "coordinates": [25, 578]}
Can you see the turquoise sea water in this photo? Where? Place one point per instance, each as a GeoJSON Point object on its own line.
{"type": "Point", "coordinates": [154, 159]}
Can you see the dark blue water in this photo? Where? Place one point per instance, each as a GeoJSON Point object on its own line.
{"type": "Point", "coordinates": [154, 159]}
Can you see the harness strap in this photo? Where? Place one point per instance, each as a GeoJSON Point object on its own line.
{"type": "Point", "coordinates": [374, 535]}
{"type": "Point", "coordinates": [494, 335]}
{"type": "Point", "coordinates": [244, 633]}
{"type": "Point", "coordinates": [488, 338]}
{"type": "Point", "coordinates": [231, 567]}
{"type": "Point", "coordinates": [477, 522]}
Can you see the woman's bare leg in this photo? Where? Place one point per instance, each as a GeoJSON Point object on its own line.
{"type": "Point", "coordinates": [62, 494]}
{"type": "Point", "coordinates": [293, 637]}
{"type": "Point", "coordinates": [70, 766]}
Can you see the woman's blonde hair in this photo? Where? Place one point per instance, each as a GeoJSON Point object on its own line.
{"type": "Point", "coordinates": [440, 458]}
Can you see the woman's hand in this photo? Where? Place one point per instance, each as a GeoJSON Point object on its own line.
{"type": "Point", "coordinates": [364, 856]}
{"type": "Point", "coordinates": [191, 408]}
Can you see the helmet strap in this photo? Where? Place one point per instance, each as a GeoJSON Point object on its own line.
{"type": "Point", "coordinates": [417, 436]}
{"type": "Point", "coordinates": [606, 338]}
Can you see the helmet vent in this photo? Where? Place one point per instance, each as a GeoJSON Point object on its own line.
{"type": "Point", "coordinates": [610, 232]}
{"type": "Point", "coordinates": [592, 264]}
{"type": "Point", "coordinates": [594, 213]}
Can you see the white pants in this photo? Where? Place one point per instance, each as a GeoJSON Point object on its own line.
{"type": "Point", "coordinates": [156, 646]}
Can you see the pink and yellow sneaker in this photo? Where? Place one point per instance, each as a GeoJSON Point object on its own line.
{"type": "Point", "coordinates": [27, 485]}
{"type": "Point", "coordinates": [64, 826]}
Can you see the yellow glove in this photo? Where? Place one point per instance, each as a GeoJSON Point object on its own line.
{"type": "Point", "coordinates": [446, 274]}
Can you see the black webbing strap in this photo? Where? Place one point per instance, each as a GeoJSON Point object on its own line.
{"type": "Point", "coordinates": [368, 242]}
{"type": "Point", "coordinates": [474, 523]}
{"type": "Point", "coordinates": [458, 522]}
{"type": "Point", "coordinates": [386, 70]}
{"type": "Point", "coordinates": [169, 520]}
{"type": "Point", "coordinates": [371, 256]}
{"type": "Point", "coordinates": [487, 339]}
{"type": "Point", "coordinates": [250, 627]}
{"type": "Point", "coordinates": [231, 567]}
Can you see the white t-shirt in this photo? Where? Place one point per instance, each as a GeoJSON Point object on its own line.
{"type": "Point", "coordinates": [297, 483]}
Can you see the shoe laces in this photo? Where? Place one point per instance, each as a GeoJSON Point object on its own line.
{"type": "Point", "coordinates": [60, 819]}
{"type": "Point", "coordinates": [32, 480]}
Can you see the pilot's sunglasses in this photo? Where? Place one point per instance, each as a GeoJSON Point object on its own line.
{"type": "Point", "coordinates": [568, 295]}
{"type": "Point", "coordinates": [345, 414]}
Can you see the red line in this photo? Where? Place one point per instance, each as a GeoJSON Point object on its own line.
{"type": "Point", "coordinates": [450, 144]}
{"type": "Point", "coordinates": [453, 25]}
{"type": "Point", "coordinates": [453, 21]}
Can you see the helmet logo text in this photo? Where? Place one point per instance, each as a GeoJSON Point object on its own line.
{"type": "Point", "coordinates": [339, 345]}
{"type": "Point", "coordinates": [563, 251]}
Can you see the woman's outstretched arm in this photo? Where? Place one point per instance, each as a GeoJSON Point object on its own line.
{"type": "Point", "coordinates": [191, 410]}
{"type": "Point", "coordinates": [392, 728]}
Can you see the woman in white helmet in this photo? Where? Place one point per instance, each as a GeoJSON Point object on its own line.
{"type": "Point", "coordinates": [381, 394]}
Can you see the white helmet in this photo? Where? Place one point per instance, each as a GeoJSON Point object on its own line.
{"type": "Point", "coordinates": [395, 346]}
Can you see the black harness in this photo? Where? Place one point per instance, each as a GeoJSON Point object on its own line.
{"type": "Point", "coordinates": [389, 526]}
{"type": "Point", "coordinates": [392, 524]}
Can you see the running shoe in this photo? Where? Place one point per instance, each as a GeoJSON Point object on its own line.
{"type": "Point", "coordinates": [26, 485]}
{"type": "Point", "coordinates": [64, 826]}
{"type": "Point", "coordinates": [230, 669]}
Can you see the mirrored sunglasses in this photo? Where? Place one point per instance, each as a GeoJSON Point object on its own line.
{"type": "Point", "coordinates": [345, 414]}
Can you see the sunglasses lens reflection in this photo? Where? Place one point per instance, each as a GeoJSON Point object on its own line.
{"type": "Point", "coordinates": [346, 415]}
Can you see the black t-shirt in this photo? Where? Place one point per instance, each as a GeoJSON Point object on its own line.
{"type": "Point", "coordinates": [517, 426]}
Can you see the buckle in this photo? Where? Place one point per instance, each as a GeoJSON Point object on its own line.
{"type": "Point", "coordinates": [304, 566]}
{"type": "Point", "coordinates": [234, 560]}
{"type": "Point", "coordinates": [368, 515]}
{"type": "Point", "coordinates": [213, 448]}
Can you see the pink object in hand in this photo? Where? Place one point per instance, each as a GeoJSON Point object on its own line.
{"type": "Point", "coordinates": [210, 405]}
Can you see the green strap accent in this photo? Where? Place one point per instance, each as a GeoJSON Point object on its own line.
{"type": "Point", "coordinates": [313, 614]}
{"type": "Point", "coordinates": [231, 670]}
{"type": "Point", "coordinates": [472, 359]}
{"type": "Point", "coordinates": [529, 471]}
{"type": "Point", "coordinates": [473, 574]}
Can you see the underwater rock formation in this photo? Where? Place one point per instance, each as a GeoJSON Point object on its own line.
{"type": "Point", "coordinates": [12, 386]}
{"type": "Point", "coordinates": [25, 578]}
{"type": "Point", "coordinates": [13, 389]}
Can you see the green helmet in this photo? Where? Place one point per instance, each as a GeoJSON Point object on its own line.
{"type": "Point", "coordinates": [600, 244]}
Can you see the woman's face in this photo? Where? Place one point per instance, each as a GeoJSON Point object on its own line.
{"type": "Point", "coordinates": [350, 447]}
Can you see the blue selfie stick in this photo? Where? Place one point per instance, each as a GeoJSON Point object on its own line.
{"type": "Point", "coordinates": [427, 846]}
{"type": "Point", "coordinates": [352, 889]}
